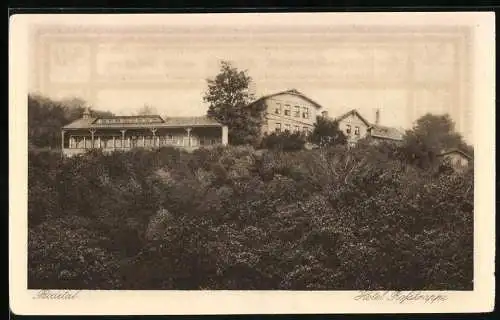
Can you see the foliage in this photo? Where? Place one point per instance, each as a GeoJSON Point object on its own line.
{"type": "Point", "coordinates": [326, 132]}
{"type": "Point", "coordinates": [228, 97]}
{"type": "Point", "coordinates": [46, 117]}
{"type": "Point", "coordinates": [430, 136]}
{"type": "Point", "coordinates": [236, 218]}
{"type": "Point", "coordinates": [285, 141]}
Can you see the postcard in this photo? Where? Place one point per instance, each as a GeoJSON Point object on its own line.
{"type": "Point", "coordinates": [251, 163]}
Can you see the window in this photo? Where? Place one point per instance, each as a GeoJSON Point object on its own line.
{"type": "Point", "coordinates": [297, 112]}
{"type": "Point", "coordinates": [278, 108]}
{"type": "Point", "coordinates": [297, 129]}
{"type": "Point", "coordinates": [287, 127]}
{"type": "Point", "coordinates": [356, 131]}
{"type": "Point", "coordinates": [287, 110]}
{"type": "Point", "coordinates": [169, 139]}
{"type": "Point", "coordinates": [305, 112]}
{"type": "Point", "coordinates": [348, 129]}
{"type": "Point", "coordinates": [278, 127]}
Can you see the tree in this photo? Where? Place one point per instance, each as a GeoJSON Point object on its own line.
{"type": "Point", "coordinates": [147, 110]}
{"type": "Point", "coordinates": [326, 132]}
{"type": "Point", "coordinates": [228, 96]}
{"type": "Point", "coordinates": [46, 117]}
{"type": "Point", "coordinates": [430, 135]}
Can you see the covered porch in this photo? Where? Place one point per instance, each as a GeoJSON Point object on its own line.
{"type": "Point", "coordinates": [76, 141]}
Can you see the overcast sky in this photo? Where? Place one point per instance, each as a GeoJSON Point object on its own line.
{"type": "Point", "coordinates": [402, 72]}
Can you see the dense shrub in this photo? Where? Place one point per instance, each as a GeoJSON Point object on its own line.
{"type": "Point", "coordinates": [236, 218]}
{"type": "Point", "coordinates": [285, 141]}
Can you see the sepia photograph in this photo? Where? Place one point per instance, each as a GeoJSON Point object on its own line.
{"type": "Point", "coordinates": [258, 153]}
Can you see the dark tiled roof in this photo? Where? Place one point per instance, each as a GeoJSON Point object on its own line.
{"type": "Point", "coordinates": [455, 151]}
{"type": "Point", "coordinates": [383, 132]}
{"type": "Point", "coordinates": [174, 122]}
{"type": "Point", "coordinates": [291, 91]}
{"type": "Point", "coordinates": [80, 123]}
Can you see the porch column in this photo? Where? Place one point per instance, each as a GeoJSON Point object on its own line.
{"type": "Point", "coordinates": [188, 130]}
{"type": "Point", "coordinates": [123, 138]}
{"type": "Point", "coordinates": [62, 140]}
{"type": "Point", "coordinates": [224, 135]}
{"type": "Point", "coordinates": [92, 131]}
{"type": "Point", "coordinates": [84, 143]}
{"type": "Point", "coordinates": [153, 130]}
{"type": "Point", "coordinates": [143, 140]}
{"type": "Point", "coordinates": [114, 144]}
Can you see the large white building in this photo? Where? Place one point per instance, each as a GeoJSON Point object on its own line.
{"type": "Point", "coordinates": [288, 110]}
{"type": "Point", "coordinates": [293, 111]}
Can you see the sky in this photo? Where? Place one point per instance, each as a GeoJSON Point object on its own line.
{"type": "Point", "coordinates": [403, 71]}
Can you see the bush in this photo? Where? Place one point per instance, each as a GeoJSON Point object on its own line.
{"type": "Point", "coordinates": [236, 218]}
{"type": "Point", "coordinates": [284, 141]}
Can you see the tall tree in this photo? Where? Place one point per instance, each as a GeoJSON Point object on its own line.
{"type": "Point", "coordinates": [326, 132]}
{"type": "Point", "coordinates": [431, 135]}
{"type": "Point", "coordinates": [228, 96]}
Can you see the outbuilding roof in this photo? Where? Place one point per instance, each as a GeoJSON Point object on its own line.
{"type": "Point", "coordinates": [450, 151]}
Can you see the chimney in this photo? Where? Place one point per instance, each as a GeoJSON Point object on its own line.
{"type": "Point", "coordinates": [86, 113]}
{"type": "Point", "coordinates": [377, 117]}
{"type": "Point", "coordinates": [324, 114]}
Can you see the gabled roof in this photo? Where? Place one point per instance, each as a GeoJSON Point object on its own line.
{"type": "Point", "coordinates": [455, 150]}
{"type": "Point", "coordinates": [292, 92]}
{"type": "Point", "coordinates": [376, 130]}
{"type": "Point", "coordinates": [352, 112]}
{"type": "Point", "coordinates": [174, 122]}
{"type": "Point", "coordinates": [384, 132]}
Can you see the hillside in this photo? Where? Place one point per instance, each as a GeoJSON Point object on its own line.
{"type": "Point", "coordinates": [231, 218]}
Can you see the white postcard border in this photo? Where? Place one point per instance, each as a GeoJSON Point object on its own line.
{"type": "Point", "coordinates": [25, 301]}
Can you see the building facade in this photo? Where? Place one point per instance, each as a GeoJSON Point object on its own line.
{"type": "Point", "coordinates": [356, 127]}
{"type": "Point", "coordinates": [458, 159]}
{"type": "Point", "coordinates": [127, 132]}
{"type": "Point", "coordinates": [288, 110]}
